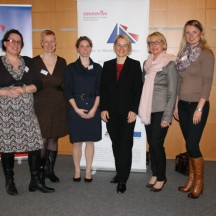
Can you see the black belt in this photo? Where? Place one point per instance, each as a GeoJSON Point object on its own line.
{"type": "Point", "coordinates": [84, 96]}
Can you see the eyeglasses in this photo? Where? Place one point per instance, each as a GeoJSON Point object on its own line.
{"type": "Point", "coordinates": [122, 45]}
{"type": "Point", "coordinates": [154, 43]}
{"type": "Point", "coordinates": [14, 42]}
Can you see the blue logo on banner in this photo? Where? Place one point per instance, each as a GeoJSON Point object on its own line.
{"type": "Point", "coordinates": [137, 134]}
{"type": "Point", "coordinates": [121, 29]}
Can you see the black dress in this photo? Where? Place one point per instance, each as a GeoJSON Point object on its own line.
{"type": "Point", "coordinates": [83, 85]}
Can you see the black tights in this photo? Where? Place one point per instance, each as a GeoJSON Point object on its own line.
{"type": "Point", "coordinates": [49, 144]}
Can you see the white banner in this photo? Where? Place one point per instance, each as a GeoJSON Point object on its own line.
{"type": "Point", "coordinates": [102, 21]}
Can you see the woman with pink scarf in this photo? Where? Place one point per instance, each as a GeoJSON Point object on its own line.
{"type": "Point", "coordinates": [157, 104]}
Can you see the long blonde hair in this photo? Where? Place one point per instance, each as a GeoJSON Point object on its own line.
{"type": "Point", "coordinates": [197, 24]}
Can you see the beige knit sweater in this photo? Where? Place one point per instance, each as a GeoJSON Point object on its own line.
{"type": "Point", "coordinates": [196, 81]}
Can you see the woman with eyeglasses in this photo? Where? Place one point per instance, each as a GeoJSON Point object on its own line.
{"type": "Point", "coordinates": [157, 103]}
{"type": "Point", "coordinates": [50, 103]}
{"type": "Point", "coordinates": [82, 90]}
{"type": "Point", "coordinates": [195, 65]}
{"type": "Point", "coordinates": [121, 86]}
{"type": "Point", "coordinates": [19, 130]}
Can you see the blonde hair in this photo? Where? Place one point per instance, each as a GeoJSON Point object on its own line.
{"type": "Point", "coordinates": [47, 32]}
{"type": "Point", "coordinates": [198, 25]}
{"type": "Point", "coordinates": [125, 37]}
{"type": "Point", "coordinates": [160, 37]}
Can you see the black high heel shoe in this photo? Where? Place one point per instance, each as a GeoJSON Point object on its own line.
{"type": "Point", "coordinates": [88, 180]}
{"type": "Point", "coordinates": [76, 179]}
{"type": "Point", "coordinates": [121, 187]}
{"type": "Point", "coordinates": [158, 189]}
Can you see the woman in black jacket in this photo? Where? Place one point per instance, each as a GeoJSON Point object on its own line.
{"type": "Point", "coordinates": [121, 86]}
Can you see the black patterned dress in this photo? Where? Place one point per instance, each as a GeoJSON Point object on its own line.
{"type": "Point", "coordinates": [19, 128]}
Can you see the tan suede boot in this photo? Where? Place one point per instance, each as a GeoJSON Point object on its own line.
{"type": "Point", "coordinates": [198, 166]}
{"type": "Point", "coordinates": [190, 182]}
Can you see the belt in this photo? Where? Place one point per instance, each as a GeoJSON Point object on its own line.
{"type": "Point", "coordinates": [187, 102]}
{"type": "Point", "coordinates": [84, 96]}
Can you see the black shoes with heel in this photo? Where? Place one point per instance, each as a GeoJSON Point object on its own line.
{"type": "Point", "coordinates": [158, 189]}
{"type": "Point", "coordinates": [76, 179]}
{"type": "Point", "coordinates": [121, 188]}
{"type": "Point", "coordinates": [88, 180]}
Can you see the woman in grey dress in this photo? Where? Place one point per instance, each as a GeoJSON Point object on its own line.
{"type": "Point", "coordinates": [19, 131]}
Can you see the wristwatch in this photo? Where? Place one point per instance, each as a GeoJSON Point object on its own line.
{"type": "Point", "coordinates": [199, 109]}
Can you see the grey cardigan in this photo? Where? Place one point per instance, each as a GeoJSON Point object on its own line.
{"type": "Point", "coordinates": [165, 90]}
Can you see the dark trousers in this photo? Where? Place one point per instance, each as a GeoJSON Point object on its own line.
{"type": "Point", "coordinates": [121, 134]}
{"type": "Point", "coordinates": [155, 137]}
{"type": "Point", "coordinates": [192, 133]}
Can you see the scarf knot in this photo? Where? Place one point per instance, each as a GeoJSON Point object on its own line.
{"type": "Point", "coordinates": [186, 56]}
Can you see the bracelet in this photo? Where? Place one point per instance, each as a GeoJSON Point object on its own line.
{"type": "Point", "coordinates": [199, 109]}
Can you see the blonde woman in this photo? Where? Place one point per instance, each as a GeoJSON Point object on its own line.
{"type": "Point", "coordinates": [121, 86]}
{"type": "Point", "coordinates": [157, 104]}
{"type": "Point", "coordinates": [196, 66]}
{"type": "Point", "coordinates": [50, 104]}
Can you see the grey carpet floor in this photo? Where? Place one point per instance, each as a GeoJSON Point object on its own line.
{"type": "Point", "coordinates": [99, 198]}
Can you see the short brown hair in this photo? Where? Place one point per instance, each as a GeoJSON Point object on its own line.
{"type": "Point", "coordinates": [7, 35]}
{"type": "Point", "coordinates": [82, 38]}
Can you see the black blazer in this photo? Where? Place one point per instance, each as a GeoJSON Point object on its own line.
{"type": "Point", "coordinates": [123, 95]}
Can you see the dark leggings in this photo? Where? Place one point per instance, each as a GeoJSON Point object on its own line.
{"type": "Point", "coordinates": [192, 133]}
{"type": "Point", "coordinates": [49, 144]}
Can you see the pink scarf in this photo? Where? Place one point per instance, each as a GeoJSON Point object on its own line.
{"type": "Point", "coordinates": [151, 68]}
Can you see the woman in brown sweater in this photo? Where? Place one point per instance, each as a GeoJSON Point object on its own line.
{"type": "Point", "coordinates": [196, 66]}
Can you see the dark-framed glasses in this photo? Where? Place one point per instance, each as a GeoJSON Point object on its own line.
{"type": "Point", "coordinates": [14, 42]}
{"type": "Point", "coordinates": [152, 43]}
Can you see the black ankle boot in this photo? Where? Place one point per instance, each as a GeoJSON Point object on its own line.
{"type": "Point", "coordinates": [7, 160]}
{"type": "Point", "coordinates": [35, 184]}
{"type": "Point", "coordinates": [10, 187]}
{"type": "Point", "coordinates": [34, 165]}
{"type": "Point", "coordinates": [42, 178]}
{"type": "Point", "coordinates": [50, 163]}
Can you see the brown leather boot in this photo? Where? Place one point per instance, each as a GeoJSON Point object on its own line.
{"type": "Point", "coordinates": [198, 166]}
{"type": "Point", "coordinates": [190, 182]}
